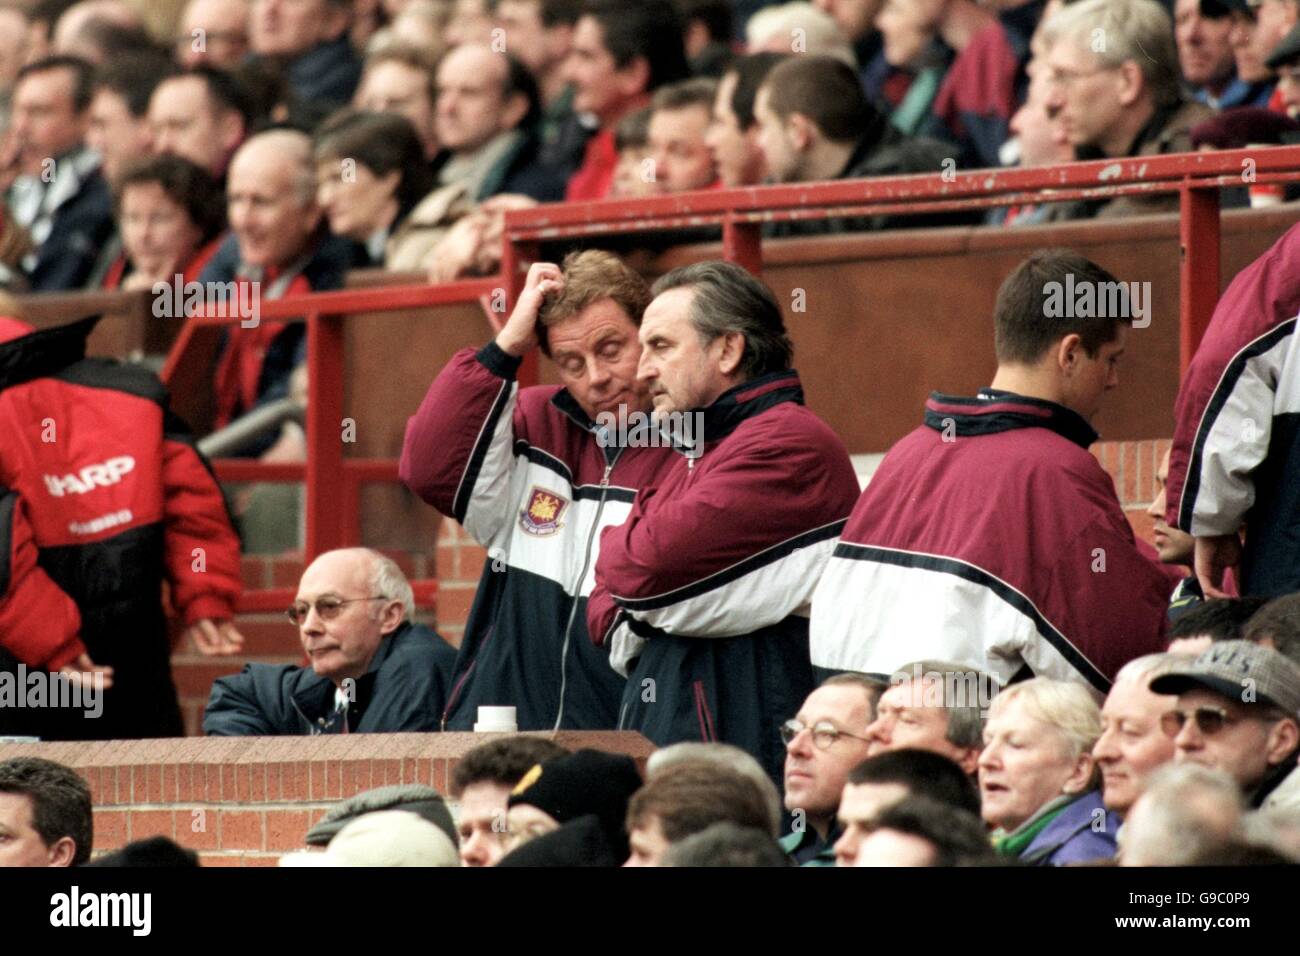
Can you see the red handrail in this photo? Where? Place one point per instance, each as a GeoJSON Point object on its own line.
{"type": "Point", "coordinates": [333, 482]}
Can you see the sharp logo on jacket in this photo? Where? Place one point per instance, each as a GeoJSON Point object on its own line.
{"type": "Point", "coordinates": [542, 515]}
{"type": "Point", "coordinates": [103, 475]}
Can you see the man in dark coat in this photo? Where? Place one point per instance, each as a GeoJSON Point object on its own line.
{"type": "Point", "coordinates": [371, 670]}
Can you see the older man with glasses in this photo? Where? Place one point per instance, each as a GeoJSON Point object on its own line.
{"type": "Point", "coordinates": [1238, 711]}
{"type": "Point", "coordinates": [823, 742]}
{"type": "Point", "coordinates": [370, 668]}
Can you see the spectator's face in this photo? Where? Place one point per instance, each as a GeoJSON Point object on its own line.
{"type": "Point", "coordinates": [596, 352]}
{"type": "Point", "coordinates": [1089, 378]}
{"type": "Point", "coordinates": [393, 87]}
{"type": "Point", "coordinates": [471, 104]}
{"type": "Point", "coordinates": [735, 151]}
{"type": "Point", "coordinates": [1174, 546]}
{"type": "Point", "coordinates": [525, 823]}
{"type": "Point", "coordinates": [538, 48]}
{"type": "Point", "coordinates": [271, 210]}
{"type": "Point", "coordinates": [1204, 51]}
{"type": "Point", "coordinates": [893, 848]}
{"type": "Point", "coordinates": [677, 145]}
{"type": "Point", "coordinates": [184, 123]}
{"type": "Point", "coordinates": [155, 229]}
{"type": "Point", "coordinates": [600, 85]}
{"type": "Point", "coordinates": [44, 120]}
{"type": "Point", "coordinates": [854, 17]}
{"type": "Point", "coordinates": [342, 646]}
{"type": "Point", "coordinates": [1087, 98]}
{"type": "Point", "coordinates": [910, 716]}
{"type": "Point", "coordinates": [482, 823]}
{"type": "Point", "coordinates": [1245, 50]}
{"type": "Point", "coordinates": [288, 28]}
{"type": "Point", "coordinates": [1025, 763]}
{"type": "Point", "coordinates": [357, 202]}
{"type": "Point", "coordinates": [907, 27]}
{"type": "Point", "coordinates": [20, 844]}
{"type": "Point", "coordinates": [633, 174]}
{"type": "Point", "coordinates": [470, 23]}
{"type": "Point", "coordinates": [1041, 139]}
{"type": "Point", "coordinates": [1246, 747]}
{"type": "Point", "coordinates": [814, 777]}
{"type": "Point", "coordinates": [677, 368]}
{"type": "Point", "coordinates": [859, 807]}
{"type": "Point", "coordinates": [214, 32]}
{"type": "Point", "coordinates": [778, 141]}
{"type": "Point", "coordinates": [115, 134]}
{"type": "Point", "coordinates": [648, 843]}
{"type": "Point", "coordinates": [1132, 744]}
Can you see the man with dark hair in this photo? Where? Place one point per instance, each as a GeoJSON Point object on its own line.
{"type": "Point", "coordinates": [700, 604]}
{"type": "Point", "coordinates": [733, 133]}
{"type": "Point", "coordinates": [686, 798]}
{"type": "Point", "coordinates": [1012, 553]}
{"type": "Point", "coordinates": [1203, 31]}
{"type": "Point", "coordinates": [481, 781]}
{"type": "Point", "coordinates": [1219, 619]}
{"type": "Point", "coordinates": [919, 773]}
{"type": "Point", "coordinates": [919, 831]}
{"type": "Point", "coordinates": [726, 844]}
{"type": "Point", "coordinates": [201, 114]}
{"type": "Point", "coordinates": [707, 32]}
{"type": "Point", "coordinates": [119, 124]}
{"type": "Point", "coordinates": [679, 118]}
{"type": "Point", "coordinates": [45, 814]}
{"type": "Point", "coordinates": [61, 196]}
{"type": "Point", "coordinates": [1277, 625]}
{"type": "Point", "coordinates": [309, 40]}
{"type": "Point", "coordinates": [823, 741]}
{"type": "Point", "coordinates": [621, 54]}
{"type": "Point", "coordinates": [156, 851]}
{"type": "Point", "coordinates": [533, 480]}
{"type": "Point", "coordinates": [815, 123]}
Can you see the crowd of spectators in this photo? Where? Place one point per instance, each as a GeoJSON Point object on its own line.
{"type": "Point", "coordinates": [972, 661]}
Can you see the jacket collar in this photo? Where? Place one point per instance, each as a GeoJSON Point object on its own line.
{"type": "Point", "coordinates": [744, 401]}
{"type": "Point", "coordinates": [43, 352]}
{"type": "Point", "coordinates": [994, 410]}
{"type": "Point", "coordinates": [315, 700]}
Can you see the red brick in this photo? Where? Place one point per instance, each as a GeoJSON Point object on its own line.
{"type": "Point", "coordinates": [286, 829]}
{"type": "Point", "coordinates": [333, 780]}
{"type": "Point", "coordinates": [197, 828]}
{"type": "Point", "coordinates": [316, 769]}
{"type": "Point", "coordinates": [354, 777]}
{"type": "Point", "coordinates": [295, 782]}
{"type": "Point", "coordinates": [242, 830]}
{"type": "Point", "coordinates": [110, 829]}
{"type": "Point", "coordinates": [194, 680]}
{"type": "Point", "coordinates": [268, 635]}
{"type": "Point", "coordinates": [220, 859]}
{"type": "Point", "coordinates": [441, 769]}
{"type": "Point", "coordinates": [148, 823]}
{"type": "Point", "coordinates": [1128, 493]}
{"type": "Point", "coordinates": [153, 783]}
{"type": "Point", "coordinates": [251, 860]}
{"type": "Point", "coordinates": [170, 782]}
{"type": "Point", "coordinates": [454, 602]}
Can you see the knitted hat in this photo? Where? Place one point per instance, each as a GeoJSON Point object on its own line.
{"type": "Point", "coordinates": [583, 782]}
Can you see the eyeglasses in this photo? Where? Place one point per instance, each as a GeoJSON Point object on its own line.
{"type": "Point", "coordinates": [824, 734]}
{"type": "Point", "coordinates": [327, 607]}
{"type": "Point", "coordinates": [1209, 720]}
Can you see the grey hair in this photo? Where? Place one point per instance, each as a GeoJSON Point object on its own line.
{"type": "Point", "coordinates": [728, 299]}
{"type": "Point", "coordinates": [1185, 811]}
{"type": "Point", "coordinates": [1136, 30]}
{"type": "Point", "coordinates": [723, 755]}
{"type": "Point", "coordinates": [387, 580]}
{"type": "Point", "coordinates": [967, 712]}
{"type": "Point", "coordinates": [1142, 669]}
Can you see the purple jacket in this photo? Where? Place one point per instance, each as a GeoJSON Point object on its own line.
{"type": "Point", "coordinates": [1081, 833]}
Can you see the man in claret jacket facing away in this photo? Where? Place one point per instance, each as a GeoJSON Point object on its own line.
{"type": "Point", "coordinates": [989, 535]}
{"type": "Point", "coordinates": [533, 480]}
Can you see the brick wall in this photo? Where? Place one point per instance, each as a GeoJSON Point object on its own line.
{"type": "Point", "coordinates": [245, 801]}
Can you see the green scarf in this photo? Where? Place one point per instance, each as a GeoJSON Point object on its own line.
{"type": "Point", "coordinates": [1014, 843]}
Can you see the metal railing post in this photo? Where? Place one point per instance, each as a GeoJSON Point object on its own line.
{"type": "Point", "coordinates": [1198, 286]}
{"type": "Point", "coordinates": [742, 243]}
{"type": "Point", "coordinates": [325, 482]}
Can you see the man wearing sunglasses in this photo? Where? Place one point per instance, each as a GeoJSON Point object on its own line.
{"type": "Point", "coordinates": [1238, 711]}
{"type": "Point", "coordinates": [370, 668]}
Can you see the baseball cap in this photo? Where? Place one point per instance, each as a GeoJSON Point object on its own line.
{"type": "Point", "coordinates": [1239, 670]}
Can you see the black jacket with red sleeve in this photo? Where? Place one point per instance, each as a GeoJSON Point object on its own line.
{"type": "Point", "coordinates": [702, 594]}
{"type": "Point", "coordinates": [526, 475]}
{"type": "Point", "coordinates": [119, 501]}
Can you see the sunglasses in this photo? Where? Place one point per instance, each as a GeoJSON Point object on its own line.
{"type": "Point", "coordinates": [1209, 721]}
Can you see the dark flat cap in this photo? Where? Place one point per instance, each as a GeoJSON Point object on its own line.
{"type": "Point", "coordinates": [413, 797]}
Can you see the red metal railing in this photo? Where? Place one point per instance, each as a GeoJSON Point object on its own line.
{"type": "Point", "coordinates": [333, 482]}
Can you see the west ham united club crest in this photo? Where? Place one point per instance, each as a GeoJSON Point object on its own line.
{"type": "Point", "coordinates": [542, 516]}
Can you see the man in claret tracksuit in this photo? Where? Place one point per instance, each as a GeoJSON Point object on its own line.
{"type": "Point", "coordinates": [989, 535]}
{"type": "Point", "coordinates": [533, 481]}
{"type": "Point", "coordinates": [117, 502]}
{"type": "Point", "coordinates": [701, 594]}
{"type": "Point", "coordinates": [1235, 459]}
